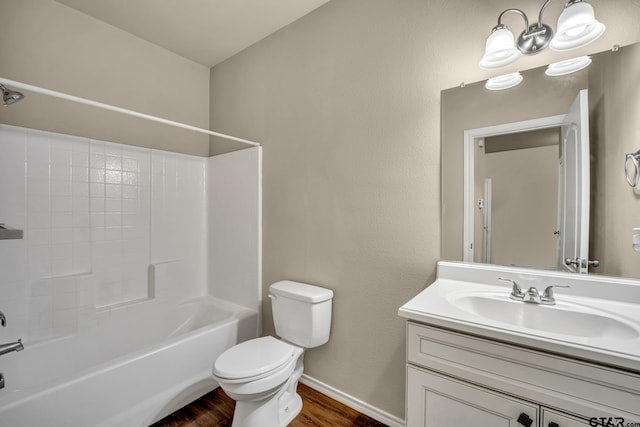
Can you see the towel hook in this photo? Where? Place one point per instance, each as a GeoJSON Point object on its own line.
{"type": "Point", "coordinates": [634, 175]}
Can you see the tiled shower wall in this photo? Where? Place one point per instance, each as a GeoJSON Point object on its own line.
{"type": "Point", "coordinates": [95, 216]}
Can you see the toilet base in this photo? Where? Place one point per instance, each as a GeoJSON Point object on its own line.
{"type": "Point", "coordinates": [290, 406]}
{"type": "Point", "coordinates": [277, 411]}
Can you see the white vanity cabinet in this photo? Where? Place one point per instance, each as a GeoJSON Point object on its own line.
{"type": "Point", "coordinates": [435, 400]}
{"type": "Point", "coordinates": [457, 379]}
{"type": "Point", "coordinates": [551, 418]}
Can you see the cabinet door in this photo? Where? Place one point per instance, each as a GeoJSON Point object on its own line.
{"type": "Point", "coordinates": [437, 401]}
{"type": "Point", "coordinates": [555, 419]}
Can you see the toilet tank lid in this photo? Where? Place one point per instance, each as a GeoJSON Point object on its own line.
{"type": "Point", "coordinates": [301, 291]}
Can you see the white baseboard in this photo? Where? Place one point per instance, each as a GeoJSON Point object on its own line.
{"type": "Point", "coordinates": [352, 402]}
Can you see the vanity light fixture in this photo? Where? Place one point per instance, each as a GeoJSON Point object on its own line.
{"type": "Point", "coordinates": [568, 66]}
{"type": "Point", "coordinates": [577, 27]}
{"type": "Point", "coordinates": [504, 82]}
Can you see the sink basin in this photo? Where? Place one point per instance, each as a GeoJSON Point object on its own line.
{"type": "Point", "coordinates": [597, 319]}
{"type": "Point", "coordinates": [563, 318]}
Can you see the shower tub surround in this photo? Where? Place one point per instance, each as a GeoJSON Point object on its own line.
{"type": "Point", "coordinates": [110, 286]}
{"type": "Point", "coordinates": [150, 368]}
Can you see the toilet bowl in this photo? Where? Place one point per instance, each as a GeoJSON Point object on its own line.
{"type": "Point", "coordinates": [262, 374]}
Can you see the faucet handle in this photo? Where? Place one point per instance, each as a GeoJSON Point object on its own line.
{"type": "Point", "coordinates": [548, 291]}
{"type": "Point", "coordinates": [516, 291]}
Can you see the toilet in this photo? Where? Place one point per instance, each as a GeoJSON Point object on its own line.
{"type": "Point", "coordinates": [262, 374]}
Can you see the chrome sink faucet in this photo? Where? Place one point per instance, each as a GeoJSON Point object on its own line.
{"type": "Point", "coordinates": [532, 295]}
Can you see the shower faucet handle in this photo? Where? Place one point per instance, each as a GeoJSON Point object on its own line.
{"type": "Point", "coordinates": [3, 319]}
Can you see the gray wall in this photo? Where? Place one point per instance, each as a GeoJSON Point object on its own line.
{"type": "Point", "coordinates": [333, 98]}
{"type": "Point", "coordinates": [347, 104]}
{"type": "Point", "coordinates": [46, 44]}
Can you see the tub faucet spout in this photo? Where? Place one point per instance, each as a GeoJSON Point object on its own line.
{"type": "Point", "coordinates": [12, 346]}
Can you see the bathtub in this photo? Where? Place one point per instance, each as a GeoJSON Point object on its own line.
{"type": "Point", "coordinates": [130, 366]}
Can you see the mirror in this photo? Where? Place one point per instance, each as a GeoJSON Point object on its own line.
{"type": "Point", "coordinates": [613, 207]}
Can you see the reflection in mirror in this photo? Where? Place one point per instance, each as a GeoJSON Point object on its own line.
{"type": "Point", "coordinates": [542, 198]}
{"type": "Point", "coordinates": [516, 187]}
{"type": "Point", "coordinates": [524, 207]}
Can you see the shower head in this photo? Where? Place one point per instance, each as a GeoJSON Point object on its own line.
{"type": "Point", "coordinates": [10, 96]}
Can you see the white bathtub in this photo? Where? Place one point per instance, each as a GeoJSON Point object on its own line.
{"type": "Point", "coordinates": [121, 370]}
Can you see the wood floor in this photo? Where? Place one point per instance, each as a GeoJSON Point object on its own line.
{"type": "Point", "coordinates": [216, 409]}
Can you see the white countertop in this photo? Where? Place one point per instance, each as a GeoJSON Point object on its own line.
{"type": "Point", "coordinates": [616, 299]}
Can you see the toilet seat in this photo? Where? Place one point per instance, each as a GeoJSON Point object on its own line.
{"type": "Point", "coordinates": [254, 359]}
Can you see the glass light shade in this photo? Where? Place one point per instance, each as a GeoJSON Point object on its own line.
{"type": "Point", "coordinates": [568, 66]}
{"type": "Point", "coordinates": [577, 27]}
{"type": "Point", "coordinates": [503, 82]}
{"type": "Point", "coordinates": [500, 49]}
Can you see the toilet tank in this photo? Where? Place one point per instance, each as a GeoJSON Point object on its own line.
{"type": "Point", "coordinates": [301, 312]}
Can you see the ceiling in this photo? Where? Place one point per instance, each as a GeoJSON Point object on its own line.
{"type": "Point", "coordinates": [205, 31]}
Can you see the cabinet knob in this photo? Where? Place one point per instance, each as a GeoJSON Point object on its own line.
{"type": "Point", "coordinates": [552, 424]}
{"type": "Point", "coordinates": [525, 420]}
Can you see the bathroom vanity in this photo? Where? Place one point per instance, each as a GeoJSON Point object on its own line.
{"type": "Point", "coordinates": [476, 356]}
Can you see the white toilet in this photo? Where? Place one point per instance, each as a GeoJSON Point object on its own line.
{"type": "Point", "coordinates": [262, 374]}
